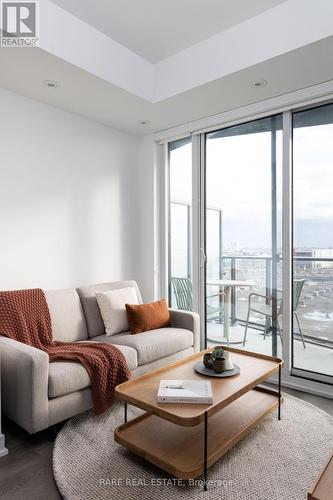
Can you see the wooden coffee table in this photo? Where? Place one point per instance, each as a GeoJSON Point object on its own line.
{"type": "Point", "coordinates": [184, 439]}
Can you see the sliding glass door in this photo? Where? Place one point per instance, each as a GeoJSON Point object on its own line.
{"type": "Point", "coordinates": [243, 244]}
{"type": "Point", "coordinates": [312, 343]}
{"type": "Point", "coordinates": [226, 257]}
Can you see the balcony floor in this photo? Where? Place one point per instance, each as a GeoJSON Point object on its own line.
{"type": "Point", "coordinates": [314, 358]}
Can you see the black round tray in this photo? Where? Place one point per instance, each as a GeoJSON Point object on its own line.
{"type": "Point", "coordinates": [209, 372]}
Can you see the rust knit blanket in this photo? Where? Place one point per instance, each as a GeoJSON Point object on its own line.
{"type": "Point", "coordinates": [25, 317]}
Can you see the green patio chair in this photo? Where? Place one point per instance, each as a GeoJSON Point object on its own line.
{"type": "Point", "coordinates": [182, 288]}
{"type": "Point", "coordinates": [266, 310]}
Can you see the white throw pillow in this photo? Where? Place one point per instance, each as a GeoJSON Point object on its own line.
{"type": "Point", "coordinates": [112, 307]}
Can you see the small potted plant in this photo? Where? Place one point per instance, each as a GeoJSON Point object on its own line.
{"type": "Point", "coordinates": [208, 360]}
{"type": "Point", "coordinates": [218, 360]}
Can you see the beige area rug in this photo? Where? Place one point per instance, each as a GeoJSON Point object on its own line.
{"type": "Point", "coordinates": [277, 460]}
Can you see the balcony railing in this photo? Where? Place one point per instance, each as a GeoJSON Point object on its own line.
{"type": "Point", "coordinates": [316, 303]}
{"type": "Point", "coordinates": [226, 266]}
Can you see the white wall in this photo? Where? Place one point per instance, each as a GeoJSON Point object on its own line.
{"type": "Point", "coordinates": [145, 264]}
{"type": "Point", "coordinates": [68, 198]}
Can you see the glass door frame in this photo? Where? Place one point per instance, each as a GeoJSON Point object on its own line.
{"type": "Point", "coordinates": [308, 376]}
{"type": "Point", "coordinates": [168, 219]}
{"type": "Point", "coordinates": [275, 119]}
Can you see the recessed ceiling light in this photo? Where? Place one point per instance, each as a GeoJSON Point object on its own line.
{"type": "Point", "coordinates": [259, 83]}
{"type": "Point", "coordinates": [51, 84]}
{"type": "Point", "coordinates": [144, 122]}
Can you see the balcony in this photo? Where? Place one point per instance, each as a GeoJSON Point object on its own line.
{"type": "Point", "coordinates": [315, 307]}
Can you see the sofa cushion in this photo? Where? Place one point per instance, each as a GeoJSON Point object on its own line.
{"type": "Point", "coordinates": [112, 308]}
{"type": "Point", "coordinates": [145, 317]}
{"type": "Point", "coordinates": [66, 377]}
{"type": "Point", "coordinates": [129, 353]}
{"type": "Point", "coordinates": [89, 303]}
{"type": "Point", "coordinates": [155, 344]}
{"type": "Point", "coordinates": [68, 321]}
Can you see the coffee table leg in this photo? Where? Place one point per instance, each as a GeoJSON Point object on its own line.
{"type": "Point", "coordinates": [125, 412]}
{"type": "Point", "coordinates": [279, 410]}
{"type": "Point", "coordinates": [205, 450]}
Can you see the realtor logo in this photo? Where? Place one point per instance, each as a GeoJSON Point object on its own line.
{"type": "Point", "coordinates": [19, 24]}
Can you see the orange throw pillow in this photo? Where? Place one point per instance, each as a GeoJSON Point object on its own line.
{"type": "Point", "coordinates": [144, 317]}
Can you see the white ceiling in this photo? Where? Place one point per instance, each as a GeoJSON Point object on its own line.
{"type": "Point", "coordinates": [157, 29]}
{"type": "Point", "coordinates": [23, 70]}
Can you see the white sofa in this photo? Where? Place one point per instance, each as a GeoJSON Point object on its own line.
{"type": "Point", "coordinates": [37, 394]}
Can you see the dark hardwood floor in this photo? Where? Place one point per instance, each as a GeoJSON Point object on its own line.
{"type": "Point", "coordinates": [26, 472]}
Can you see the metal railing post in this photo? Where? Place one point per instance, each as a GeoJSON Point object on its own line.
{"type": "Point", "coordinates": [233, 273]}
{"type": "Point", "coordinates": [268, 263]}
{"type": "Point", "coordinates": [268, 284]}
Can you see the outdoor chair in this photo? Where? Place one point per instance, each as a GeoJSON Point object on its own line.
{"type": "Point", "coordinates": [266, 310]}
{"type": "Point", "coordinates": [182, 288]}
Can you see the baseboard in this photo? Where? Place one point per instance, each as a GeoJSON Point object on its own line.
{"type": "Point", "coordinates": [3, 450]}
{"type": "Point", "coordinates": [297, 385]}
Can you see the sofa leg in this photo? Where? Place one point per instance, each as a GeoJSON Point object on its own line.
{"type": "Point", "coordinates": [52, 432]}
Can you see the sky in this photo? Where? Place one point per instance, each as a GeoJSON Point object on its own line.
{"type": "Point", "coordinates": [313, 186]}
{"type": "Point", "coordinates": [239, 182]}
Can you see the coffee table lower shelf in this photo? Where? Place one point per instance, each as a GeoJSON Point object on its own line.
{"type": "Point", "coordinates": [180, 450]}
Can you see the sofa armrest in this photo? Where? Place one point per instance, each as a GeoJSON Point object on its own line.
{"type": "Point", "coordinates": [24, 379]}
{"type": "Point", "coordinates": [188, 320]}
